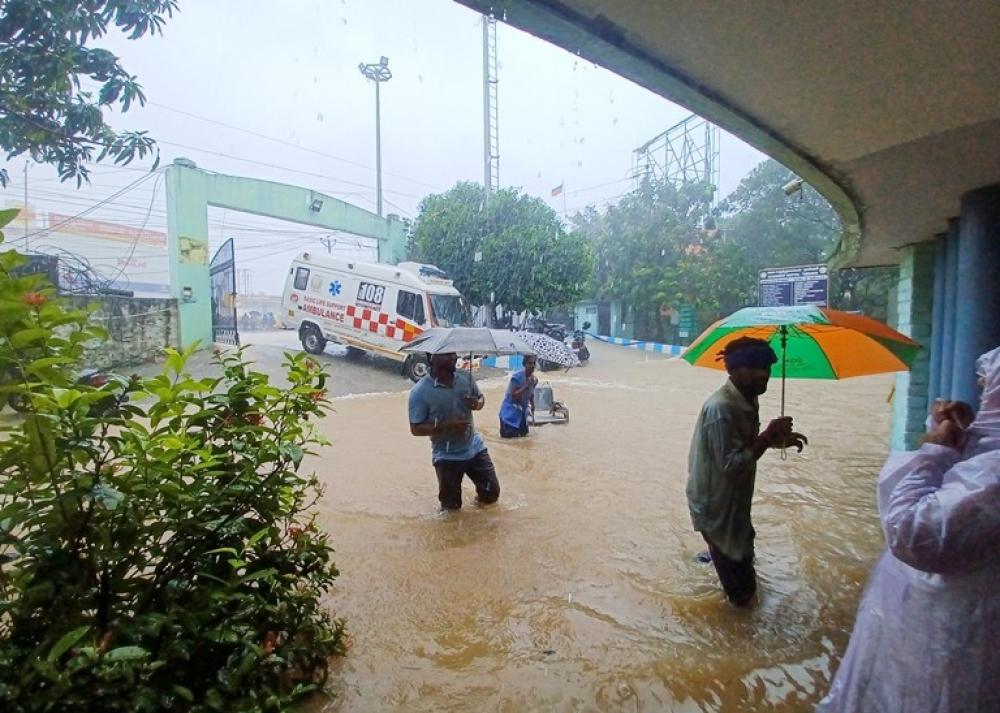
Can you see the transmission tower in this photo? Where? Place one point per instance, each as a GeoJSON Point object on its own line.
{"type": "Point", "coordinates": [685, 153]}
{"type": "Point", "coordinates": [491, 122]}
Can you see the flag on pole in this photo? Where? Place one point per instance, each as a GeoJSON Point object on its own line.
{"type": "Point", "coordinates": [557, 190]}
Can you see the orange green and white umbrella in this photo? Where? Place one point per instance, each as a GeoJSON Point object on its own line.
{"type": "Point", "coordinates": [811, 342]}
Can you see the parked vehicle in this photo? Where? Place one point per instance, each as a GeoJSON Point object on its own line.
{"type": "Point", "coordinates": [372, 307]}
{"type": "Point", "coordinates": [579, 345]}
{"type": "Point", "coordinates": [551, 329]}
{"type": "Point", "coordinates": [554, 330]}
{"type": "Point", "coordinates": [95, 378]}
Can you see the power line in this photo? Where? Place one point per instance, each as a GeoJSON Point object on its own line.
{"type": "Point", "coordinates": [287, 143]}
{"type": "Point", "coordinates": [138, 235]}
{"type": "Point", "coordinates": [88, 211]}
{"type": "Point", "coordinates": [282, 168]}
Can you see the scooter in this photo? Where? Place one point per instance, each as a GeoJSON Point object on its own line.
{"type": "Point", "coordinates": [549, 329]}
{"type": "Point", "coordinates": [578, 344]}
{"type": "Point", "coordinates": [94, 378]}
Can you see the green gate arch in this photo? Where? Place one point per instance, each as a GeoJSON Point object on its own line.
{"type": "Point", "coordinates": [191, 190]}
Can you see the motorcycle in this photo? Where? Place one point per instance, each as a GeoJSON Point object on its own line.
{"type": "Point", "coordinates": [94, 378]}
{"type": "Point", "coordinates": [549, 329]}
{"type": "Point", "coordinates": [578, 344]}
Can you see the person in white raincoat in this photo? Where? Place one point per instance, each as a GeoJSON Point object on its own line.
{"type": "Point", "coordinates": [927, 635]}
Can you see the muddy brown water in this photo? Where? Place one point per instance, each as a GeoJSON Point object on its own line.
{"type": "Point", "coordinates": [579, 590]}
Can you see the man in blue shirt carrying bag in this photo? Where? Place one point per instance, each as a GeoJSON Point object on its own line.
{"type": "Point", "coordinates": [520, 397]}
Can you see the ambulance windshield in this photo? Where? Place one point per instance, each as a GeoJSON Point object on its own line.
{"type": "Point", "coordinates": [450, 311]}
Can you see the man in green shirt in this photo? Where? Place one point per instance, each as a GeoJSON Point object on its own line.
{"type": "Point", "coordinates": [722, 464]}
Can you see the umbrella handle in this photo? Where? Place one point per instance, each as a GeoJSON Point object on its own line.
{"type": "Point", "coordinates": [784, 352]}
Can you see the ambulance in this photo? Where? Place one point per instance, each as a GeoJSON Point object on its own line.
{"type": "Point", "coordinates": [371, 307]}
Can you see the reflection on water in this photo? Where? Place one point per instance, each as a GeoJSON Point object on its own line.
{"type": "Point", "coordinates": [579, 590]}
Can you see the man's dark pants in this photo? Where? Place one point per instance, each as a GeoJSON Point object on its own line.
{"type": "Point", "coordinates": [739, 580]}
{"type": "Point", "coordinates": [481, 472]}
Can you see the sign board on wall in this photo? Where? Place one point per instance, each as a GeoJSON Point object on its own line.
{"type": "Point", "coordinates": [799, 285]}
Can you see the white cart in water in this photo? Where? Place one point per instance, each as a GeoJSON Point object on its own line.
{"type": "Point", "coordinates": [547, 409]}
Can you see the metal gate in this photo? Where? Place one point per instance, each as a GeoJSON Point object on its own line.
{"type": "Point", "coordinates": [222, 274]}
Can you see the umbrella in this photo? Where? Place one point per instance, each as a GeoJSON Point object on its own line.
{"type": "Point", "coordinates": [550, 349]}
{"type": "Point", "coordinates": [811, 343]}
{"type": "Point", "coordinates": [471, 340]}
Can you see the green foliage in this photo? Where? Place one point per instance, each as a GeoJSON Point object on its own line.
{"type": "Point", "coordinates": [527, 260]}
{"type": "Point", "coordinates": [44, 110]}
{"type": "Point", "coordinates": [649, 252]}
{"type": "Point", "coordinates": [766, 228]}
{"type": "Point", "coordinates": [163, 555]}
{"type": "Point", "coordinates": [652, 250]}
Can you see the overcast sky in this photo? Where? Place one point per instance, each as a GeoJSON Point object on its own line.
{"type": "Point", "coordinates": [289, 71]}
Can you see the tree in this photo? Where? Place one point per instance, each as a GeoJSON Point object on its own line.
{"type": "Point", "coordinates": [512, 251]}
{"type": "Point", "coordinates": [645, 246]}
{"type": "Point", "coordinates": [653, 250]}
{"type": "Point", "coordinates": [44, 53]}
{"type": "Point", "coordinates": [764, 227]}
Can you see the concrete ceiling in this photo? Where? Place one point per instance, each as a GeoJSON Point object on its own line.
{"type": "Point", "coordinates": [891, 109]}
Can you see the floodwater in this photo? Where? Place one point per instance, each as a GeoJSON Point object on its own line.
{"type": "Point", "coordinates": [579, 590]}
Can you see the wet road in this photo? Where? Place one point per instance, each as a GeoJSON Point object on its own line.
{"type": "Point", "coordinates": [579, 590]}
{"type": "Point", "coordinates": [350, 374]}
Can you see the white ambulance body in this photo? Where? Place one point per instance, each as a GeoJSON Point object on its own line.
{"type": "Point", "coordinates": [373, 307]}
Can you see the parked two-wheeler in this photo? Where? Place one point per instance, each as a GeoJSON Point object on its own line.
{"type": "Point", "coordinates": [579, 346]}
{"type": "Point", "coordinates": [94, 378]}
{"type": "Point", "coordinates": [550, 329]}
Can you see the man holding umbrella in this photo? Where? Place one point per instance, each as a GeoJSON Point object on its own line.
{"type": "Point", "coordinates": [441, 406]}
{"type": "Point", "coordinates": [722, 464]}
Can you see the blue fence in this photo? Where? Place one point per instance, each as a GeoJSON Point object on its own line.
{"type": "Point", "coordinates": [670, 349]}
{"type": "Point", "coordinates": [516, 361]}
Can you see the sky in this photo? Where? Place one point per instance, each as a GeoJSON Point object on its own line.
{"type": "Point", "coordinates": [273, 91]}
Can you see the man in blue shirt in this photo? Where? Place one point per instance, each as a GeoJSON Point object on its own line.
{"type": "Point", "coordinates": [516, 402]}
{"type": "Point", "coordinates": [441, 406]}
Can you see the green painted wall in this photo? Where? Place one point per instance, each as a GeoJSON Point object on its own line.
{"type": "Point", "coordinates": [190, 191]}
{"type": "Point", "coordinates": [914, 306]}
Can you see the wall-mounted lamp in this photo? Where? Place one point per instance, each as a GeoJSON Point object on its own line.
{"type": "Point", "coordinates": [317, 205]}
{"type": "Point", "coordinates": [187, 294]}
{"type": "Point", "coordinates": [793, 186]}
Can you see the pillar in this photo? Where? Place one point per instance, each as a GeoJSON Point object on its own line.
{"type": "Point", "coordinates": [948, 328]}
{"type": "Point", "coordinates": [915, 297]}
{"type": "Point", "coordinates": [934, 389]}
{"type": "Point", "coordinates": [977, 313]}
{"type": "Point", "coordinates": [187, 245]}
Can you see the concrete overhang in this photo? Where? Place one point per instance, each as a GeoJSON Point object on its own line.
{"type": "Point", "coordinates": [890, 109]}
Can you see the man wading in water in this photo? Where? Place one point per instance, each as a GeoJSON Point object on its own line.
{"type": "Point", "coordinates": [441, 406]}
{"type": "Point", "coordinates": [722, 464]}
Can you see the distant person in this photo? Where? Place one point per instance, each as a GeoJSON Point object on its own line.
{"type": "Point", "coordinates": [441, 406]}
{"type": "Point", "coordinates": [519, 400]}
{"type": "Point", "coordinates": [927, 632]}
{"type": "Point", "coordinates": [722, 464]}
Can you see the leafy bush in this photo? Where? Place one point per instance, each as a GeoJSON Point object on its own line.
{"type": "Point", "coordinates": [160, 550]}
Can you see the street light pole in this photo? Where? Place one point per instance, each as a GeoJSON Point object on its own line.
{"type": "Point", "coordinates": [378, 73]}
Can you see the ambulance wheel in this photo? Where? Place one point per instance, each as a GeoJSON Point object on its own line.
{"type": "Point", "coordinates": [312, 339]}
{"type": "Point", "coordinates": [416, 368]}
